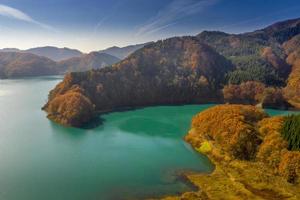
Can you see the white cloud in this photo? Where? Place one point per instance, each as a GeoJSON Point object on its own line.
{"type": "Point", "coordinates": [113, 11]}
{"type": "Point", "coordinates": [172, 13]}
{"type": "Point", "coordinates": [19, 15]}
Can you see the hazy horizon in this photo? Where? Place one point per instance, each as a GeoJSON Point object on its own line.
{"type": "Point", "coordinates": [96, 25]}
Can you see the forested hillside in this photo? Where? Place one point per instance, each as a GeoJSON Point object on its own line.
{"type": "Point", "coordinates": [15, 64]}
{"type": "Point", "coordinates": [259, 68]}
{"type": "Point", "coordinates": [173, 71]}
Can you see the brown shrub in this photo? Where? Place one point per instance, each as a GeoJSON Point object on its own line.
{"type": "Point", "coordinates": [250, 92]}
{"type": "Point", "coordinates": [274, 98]}
{"type": "Point", "coordinates": [290, 166]}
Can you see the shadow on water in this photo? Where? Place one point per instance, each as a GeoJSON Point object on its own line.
{"type": "Point", "coordinates": [67, 131]}
{"type": "Point", "coordinates": [94, 123]}
{"type": "Point", "coordinates": [71, 132]}
{"type": "Point", "coordinates": [97, 122]}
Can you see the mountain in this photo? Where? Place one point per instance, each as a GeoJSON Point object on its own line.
{"type": "Point", "coordinates": [174, 71]}
{"type": "Point", "coordinates": [16, 64]}
{"type": "Point", "coordinates": [54, 53]}
{"type": "Point", "coordinates": [292, 90]}
{"type": "Point", "coordinates": [22, 64]}
{"type": "Point", "coordinates": [269, 55]}
{"type": "Point", "coordinates": [67, 60]}
{"type": "Point", "coordinates": [255, 59]}
{"type": "Point", "coordinates": [10, 50]}
{"type": "Point", "coordinates": [123, 52]}
{"type": "Point", "coordinates": [93, 60]}
{"type": "Point", "coordinates": [279, 32]}
{"type": "Point", "coordinates": [210, 67]}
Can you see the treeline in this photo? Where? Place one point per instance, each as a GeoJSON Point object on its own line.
{"type": "Point", "coordinates": [252, 92]}
{"type": "Point", "coordinates": [291, 131]}
{"type": "Point", "coordinates": [251, 68]}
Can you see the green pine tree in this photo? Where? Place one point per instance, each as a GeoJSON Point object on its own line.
{"type": "Point", "coordinates": [291, 131]}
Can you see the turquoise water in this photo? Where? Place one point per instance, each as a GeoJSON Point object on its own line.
{"type": "Point", "coordinates": [273, 112]}
{"type": "Point", "coordinates": [132, 155]}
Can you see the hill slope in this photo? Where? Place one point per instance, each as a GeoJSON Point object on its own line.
{"type": "Point", "coordinates": [292, 90]}
{"type": "Point", "coordinates": [258, 55]}
{"type": "Point", "coordinates": [255, 59]}
{"type": "Point", "coordinates": [279, 32]}
{"type": "Point", "coordinates": [93, 60]}
{"type": "Point", "coordinates": [173, 71]}
{"type": "Point", "coordinates": [15, 64]}
{"type": "Point", "coordinates": [187, 70]}
{"type": "Point", "coordinates": [54, 53]}
{"type": "Point", "coordinates": [22, 64]}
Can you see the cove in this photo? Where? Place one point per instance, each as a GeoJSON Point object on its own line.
{"type": "Point", "coordinates": [131, 155]}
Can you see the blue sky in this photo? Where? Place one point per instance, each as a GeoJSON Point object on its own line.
{"type": "Point", "coordinates": [96, 24]}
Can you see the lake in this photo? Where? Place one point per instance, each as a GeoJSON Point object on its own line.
{"type": "Point", "coordinates": [131, 155]}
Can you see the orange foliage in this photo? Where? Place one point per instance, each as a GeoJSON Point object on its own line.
{"type": "Point", "coordinates": [250, 92]}
{"type": "Point", "coordinates": [245, 132]}
{"type": "Point", "coordinates": [290, 166]}
{"type": "Point", "coordinates": [230, 126]}
{"type": "Point", "coordinates": [71, 108]}
{"type": "Point", "coordinates": [273, 144]}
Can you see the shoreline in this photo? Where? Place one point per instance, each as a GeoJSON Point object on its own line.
{"type": "Point", "coordinates": [238, 178]}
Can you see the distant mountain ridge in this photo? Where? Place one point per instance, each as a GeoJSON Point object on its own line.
{"type": "Point", "coordinates": [53, 53]}
{"type": "Point", "coordinates": [19, 64]}
{"type": "Point", "coordinates": [123, 52]}
{"type": "Point", "coordinates": [60, 54]}
{"type": "Point", "coordinates": [93, 60]}
{"type": "Point", "coordinates": [280, 31]}
{"type": "Point", "coordinates": [10, 50]}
